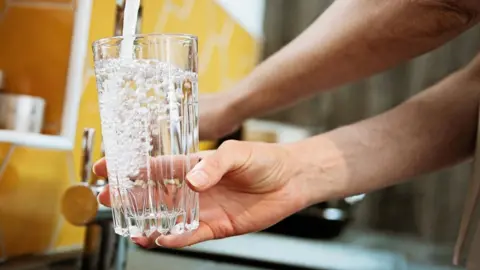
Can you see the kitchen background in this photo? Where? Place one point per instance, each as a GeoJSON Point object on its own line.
{"type": "Point", "coordinates": [396, 228]}
{"type": "Point", "coordinates": [427, 208]}
{"type": "Point", "coordinates": [34, 56]}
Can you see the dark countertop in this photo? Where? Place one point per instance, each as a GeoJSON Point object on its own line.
{"type": "Point", "coordinates": [58, 261]}
{"type": "Point", "coordinates": [355, 250]}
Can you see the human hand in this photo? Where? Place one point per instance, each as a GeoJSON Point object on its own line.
{"type": "Point", "coordinates": [216, 116]}
{"type": "Point", "coordinates": [244, 187]}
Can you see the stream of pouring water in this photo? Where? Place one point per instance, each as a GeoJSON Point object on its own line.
{"type": "Point", "coordinates": [130, 18]}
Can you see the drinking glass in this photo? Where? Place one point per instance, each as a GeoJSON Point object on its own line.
{"type": "Point", "coordinates": [149, 115]}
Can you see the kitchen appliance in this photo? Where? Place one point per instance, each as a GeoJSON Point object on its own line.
{"type": "Point", "coordinates": [21, 113]}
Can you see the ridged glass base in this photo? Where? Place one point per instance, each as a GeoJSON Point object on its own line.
{"type": "Point", "coordinates": [150, 222]}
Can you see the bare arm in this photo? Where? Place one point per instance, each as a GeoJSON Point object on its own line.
{"type": "Point", "coordinates": [432, 130]}
{"type": "Point", "coordinates": [249, 186]}
{"type": "Point", "coordinates": [351, 40]}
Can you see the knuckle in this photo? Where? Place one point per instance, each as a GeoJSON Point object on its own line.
{"type": "Point", "coordinates": [235, 153]}
{"type": "Point", "coordinates": [212, 164]}
{"type": "Point", "coordinates": [229, 145]}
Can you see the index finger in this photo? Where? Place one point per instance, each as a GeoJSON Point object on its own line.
{"type": "Point", "coordinates": [100, 167]}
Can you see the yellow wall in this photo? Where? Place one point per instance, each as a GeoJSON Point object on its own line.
{"type": "Point", "coordinates": [226, 51]}
{"type": "Point", "coordinates": [34, 55]}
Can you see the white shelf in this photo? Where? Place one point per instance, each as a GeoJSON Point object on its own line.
{"type": "Point", "coordinates": [35, 140]}
{"type": "Point", "coordinates": [73, 92]}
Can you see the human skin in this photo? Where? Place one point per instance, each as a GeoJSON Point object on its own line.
{"type": "Point", "coordinates": [248, 186]}
{"type": "Point", "coordinates": [351, 40]}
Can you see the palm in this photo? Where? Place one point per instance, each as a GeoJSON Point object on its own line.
{"type": "Point", "coordinates": [227, 211]}
{"type": "Point", "coordinates": [247, 199]}
{"type": "Point", "coordinates": [253, 194]}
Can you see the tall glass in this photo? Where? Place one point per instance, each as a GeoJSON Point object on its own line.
{"type": "Point", "coordinates": [149, 114]}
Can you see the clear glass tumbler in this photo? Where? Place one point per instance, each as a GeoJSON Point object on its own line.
{"type": "Point", "coordinates": [149, 115]}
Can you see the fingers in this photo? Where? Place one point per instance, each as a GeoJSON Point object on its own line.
{"type": "Point", "coordinates": [104, 197]}
{"type": "Point", "coordinates": [100, 168]}
{"type": "Point", "coordinates": [146, 242]}
{"type": "Point", "coordinates": [160, 168]}
{"type": "Point", "coordinates": [203, 233]}
{"type": "Point", "coordinates": [230, 156]}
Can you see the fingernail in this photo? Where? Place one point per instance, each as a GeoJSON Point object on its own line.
{"type": "Point", "coordinates": [198, 178]}
{"type": "Point", "coordinates": [156, 242]}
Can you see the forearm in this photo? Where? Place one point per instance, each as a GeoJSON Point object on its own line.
{"type": "Point", "coordinates": [351, 40]}
{"type": "Point", "coordinates": [432, 130]}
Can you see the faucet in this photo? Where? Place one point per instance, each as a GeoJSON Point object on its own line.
{"type": "Point", "coordinates": [119, 17]}
{"type": "Point", "coordinates": [103, 249]}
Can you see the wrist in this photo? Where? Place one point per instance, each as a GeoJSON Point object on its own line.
{"type": "Point", "coordinates": [242, 101]}
{"type": "Point", "coordinates": [232, 108]}
{"type": "Point", "coordinates": [320, 170]}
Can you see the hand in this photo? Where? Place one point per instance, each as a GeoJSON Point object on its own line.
{"type": "Point", "coordinates": [244, 187]}
{"type": "Point", "coordinates": [217, 119]}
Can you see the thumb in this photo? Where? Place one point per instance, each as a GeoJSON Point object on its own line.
{"type": "Point", "coordinates": [210, 170]}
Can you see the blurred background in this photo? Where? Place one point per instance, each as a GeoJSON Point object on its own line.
{"type": "Point", "coordinates": [46, 59]}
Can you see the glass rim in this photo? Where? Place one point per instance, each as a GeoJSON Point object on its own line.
{"type": "Point", "coordinates": [105, 40]}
